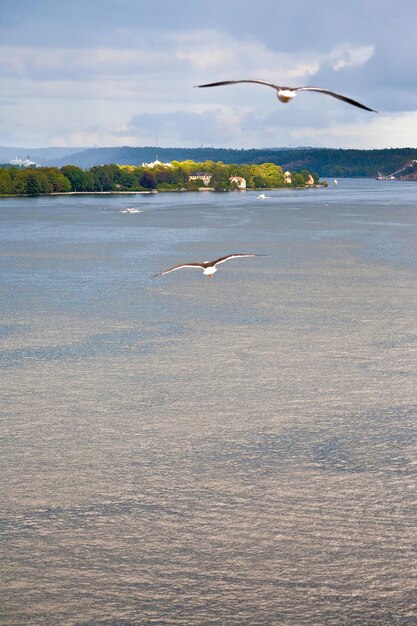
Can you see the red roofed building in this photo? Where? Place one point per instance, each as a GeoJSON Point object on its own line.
{"type": "Point", "coordinates": [239, 181]}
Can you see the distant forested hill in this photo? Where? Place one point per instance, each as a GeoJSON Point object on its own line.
{"type": "Point", "coordinates": [325, 161]}
{"type": "Point", "coordinates": [329, 162]}
{"type": "Point", "coordinates": [39, 155]}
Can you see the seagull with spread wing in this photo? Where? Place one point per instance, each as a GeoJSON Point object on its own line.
{"type": "Point", "coordinates": [286, 94]}
{"type": "Point", "coordinates": [208, 267]}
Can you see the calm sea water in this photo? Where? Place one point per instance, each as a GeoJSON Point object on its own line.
{"type": "Point", "coordinates": [235, 450]}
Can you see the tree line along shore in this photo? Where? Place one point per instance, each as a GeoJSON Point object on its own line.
{"type": "Point", "coordinates": [174, 176]}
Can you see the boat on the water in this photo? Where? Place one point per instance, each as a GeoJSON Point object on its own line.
{"type": "Point", "coordinates": [384, 177]}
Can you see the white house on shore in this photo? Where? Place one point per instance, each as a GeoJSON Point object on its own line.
{"type": "Point", "coordinates": [156, 163]}
{"type": "Point", "coordinates": [23, 162]}
{"type": "Point", "coordinates": [204, 176]}
{"type": "Point", "coordinates": [238, 181]}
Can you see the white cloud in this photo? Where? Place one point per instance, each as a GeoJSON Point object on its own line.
{"type": "Point", "coordinates": [112, 95]}
{"type": "Point", "coordinates": [382, 131]}
{"type": "Point", "coordinates": [93, 137]}
{"type": "Point", "coordinates": [216, 51]}
{"type": "Point", "coordinates": [239, 130]}
{"type": "Point", "coordinates": [347, 56]}
{"type": "Point", "coordinates": [195, 53]}
{"type": "Point", "coordinates": [190, 128]}
{"type": "Point", "coordinates": [59, 62]}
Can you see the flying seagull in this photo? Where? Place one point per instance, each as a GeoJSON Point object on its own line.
{"type": "Point", "coordinates": [285, 94]}
{"type": "Point", "coordinates": [208, 267]}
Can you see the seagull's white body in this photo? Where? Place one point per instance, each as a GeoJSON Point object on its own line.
{"type": "Point", "coordinates": [286, 94]}
{"type": "Point", "coordinates": [209, 267]}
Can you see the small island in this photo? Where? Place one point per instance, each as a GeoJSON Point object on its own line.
{"type": "Point", "coordinates": [150, 178]}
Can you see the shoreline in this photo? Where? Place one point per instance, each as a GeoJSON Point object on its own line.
{"type": "Point", "coordinates": [78, 193]}
{"type": "Point", "coordinates": [93, 193]}
{"type": "Point", "coordinates": [152, 192]}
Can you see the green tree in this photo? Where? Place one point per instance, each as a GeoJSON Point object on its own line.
{"type": "Point", "coordinates": [88, 182]}
{"type": "Point", "coordinates": [271, 174]}
{"type": "Point", "coordinates": [305, 174]}
{"type": "Point", "coordinates": [19, 183]}
{"type": "Point", "coordinates": [34, 185]}
{"type": "Point", "coordinates": [147, 180]}
{"type": "Point", "coordinates": [6, 184]}
{"type": "Point", "coordinates": [259, 177]}
{"type": "Point", "coordinates": [164, 175]}
{"type": "Point", "coordinates": [180, 174]}
{"type": "Point", "coordinates": [56, 180]}
{"type": "Point", "coordinates": [246, 172]}
{"type": "Point", "coordinates": [297, 180]}
{"type": "Point", "coordinates": [128, 180]}
{"type": "Point", "coordinates": [220, 178]}
{"type": "Point", "coordinates": [75, 175]}
{"type": "Point", "coordinates": [102, 177]}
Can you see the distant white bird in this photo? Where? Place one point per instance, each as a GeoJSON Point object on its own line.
{"type": "Point", "coordinates": [209, 267]}
{"type": "Point", "coordinates": [285, 94]}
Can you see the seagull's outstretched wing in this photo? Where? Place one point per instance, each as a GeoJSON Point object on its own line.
{"type": "Point", "coordinates": [280, 88]}
{"type": "Point", "coordinates": [233, 256]}
{"type": "Point", "coordinates": [336, 95]}
{"type": "Point", "coordinates": [198, 266]}
{"type": "Point", "coordinates": [234, 82]}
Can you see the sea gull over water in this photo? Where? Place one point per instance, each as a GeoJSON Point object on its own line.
{"type": "Point", "coordinates": [208, 267]}
{"type": "Point", "coordinates": [286, 94]}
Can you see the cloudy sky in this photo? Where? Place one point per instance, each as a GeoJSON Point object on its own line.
{"type": "Point", "coordinates": [122, 72]}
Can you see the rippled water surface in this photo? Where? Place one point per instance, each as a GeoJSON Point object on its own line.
{"type": "Point", "coordinates": [235, 450]}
